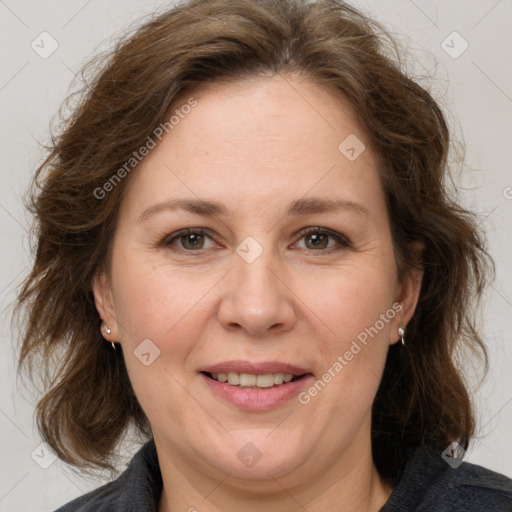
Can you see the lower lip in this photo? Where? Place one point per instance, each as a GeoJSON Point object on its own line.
{"type": "Point", "coordinates": [262, 399]}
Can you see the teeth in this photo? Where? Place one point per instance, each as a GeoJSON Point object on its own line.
{"type": "Point", "coordinates": [234, 379]}
{"type": "Point", "coordinates": [247, 380]}
{"type": "Point", "coordinates": [265, 381]}
{"type": "Point", "coordinates": [278, 379]}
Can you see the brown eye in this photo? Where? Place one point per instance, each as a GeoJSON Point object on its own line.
{"type": "Point", "coordinates": [192, 241]}
{"type": "Point", "coordinates": [323, 240]}
{"type": "Point", "coordinates": [317, 241]}
{"type": "Point", "coordinates": [189, 240]}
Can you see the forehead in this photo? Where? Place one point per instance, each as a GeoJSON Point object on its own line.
{"type": "Point", "coordinates": [268, 112]}
{"type": "Point", "coordinates": [258, 140]}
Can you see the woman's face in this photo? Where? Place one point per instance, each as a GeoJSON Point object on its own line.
{"type": "Point", "coordinates": [248, 291]}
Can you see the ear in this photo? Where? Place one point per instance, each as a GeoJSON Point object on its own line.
{"type": "Point", "coordinates": [105, 305]}
{"type": "Point", "coordinates": [408, 291]}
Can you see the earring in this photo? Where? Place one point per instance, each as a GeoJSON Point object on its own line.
{"type": "Point", "coordinates": [108, 331]}
{"type": "Point", "coordinates": [401, 332]}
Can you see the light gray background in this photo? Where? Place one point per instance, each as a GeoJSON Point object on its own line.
{"type": "Point", "coordinates": [475, 88]}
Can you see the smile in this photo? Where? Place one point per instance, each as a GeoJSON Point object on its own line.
{"type": "Point", "coordinates": [248, 380]}
{"type": "Point", "coordinates": [256, 393]}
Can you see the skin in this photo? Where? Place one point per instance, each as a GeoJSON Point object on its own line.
{"type": "Point", "coordinates": [256, 146]}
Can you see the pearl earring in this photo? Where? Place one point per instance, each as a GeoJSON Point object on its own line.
{"type": "Point", "coordinates": [401, 332]}
{"type": "Point", "coordinates": [108, 331]}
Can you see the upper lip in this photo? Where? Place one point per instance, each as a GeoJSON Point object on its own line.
{"type": "Point", "coordinates": [266, 367]}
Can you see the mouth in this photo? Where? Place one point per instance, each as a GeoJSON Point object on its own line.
{"type": "Point", "coordinates": [255, 387]}
{"type": "Point", "coordinates": [254, 381]}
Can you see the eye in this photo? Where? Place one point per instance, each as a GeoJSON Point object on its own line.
{"type": "Point", "coordinates": [189, 239]}
{"type": "Point", "coordinates": [318, 239]}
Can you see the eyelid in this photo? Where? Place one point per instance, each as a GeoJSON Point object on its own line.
{"type": "Point", "coordinates": [186, 231]}
{"type": "Point", "coordinates": [341, 239]}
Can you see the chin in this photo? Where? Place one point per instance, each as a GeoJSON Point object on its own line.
{"type": "Point", "coordinates": [260, 458]}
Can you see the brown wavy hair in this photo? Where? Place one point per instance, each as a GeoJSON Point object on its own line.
{"type": "Point", "coordinates": [88, 402]}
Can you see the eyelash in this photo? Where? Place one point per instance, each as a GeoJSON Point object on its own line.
{"type": "Point", "coordinates": [343, 242]}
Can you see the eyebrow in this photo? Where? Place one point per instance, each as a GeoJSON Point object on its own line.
{"type": "Point", "coordinates": [302, 206]}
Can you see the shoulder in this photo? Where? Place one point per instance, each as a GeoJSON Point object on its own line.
{"type": "Point", "coordinates": [137, 488]}
{"type": "Point", "coordinates": [430, 484]}
{"type": "Point", "coordinates": [471, 487]}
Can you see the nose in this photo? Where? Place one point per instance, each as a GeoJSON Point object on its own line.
{"type": "Point", "coordinates": [257, 298]}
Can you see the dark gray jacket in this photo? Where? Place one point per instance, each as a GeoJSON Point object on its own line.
{"type": "Point", "coordinates": [428, 484]}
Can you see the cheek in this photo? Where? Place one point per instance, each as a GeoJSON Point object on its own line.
{"type": "Point", "coordinates": [352, 305]}
{"type": "Point", "coordinates": [153, 300]}
{"type": "Point", "coordinates": [357, 309]}
{"type": "Point", "coordinates": [152, 303]}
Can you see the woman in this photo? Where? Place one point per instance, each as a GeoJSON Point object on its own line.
{"type": "Point", "coordinates": [246, 251]}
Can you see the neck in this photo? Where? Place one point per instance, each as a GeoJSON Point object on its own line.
{"type": "Point", "coordinates": [351, 484]}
